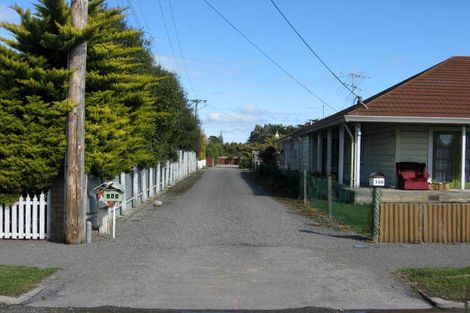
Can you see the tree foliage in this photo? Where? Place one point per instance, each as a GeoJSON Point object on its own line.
{"type": "Point", "coordinates": [265, 133]}
{"type": "Point", "coordinates": [215, 148]}
{"type": "Point", "coordinates": [136, 112]}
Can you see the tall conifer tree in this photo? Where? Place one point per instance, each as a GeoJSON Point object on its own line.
{"type": "Point", "coordinates": [136, 112]}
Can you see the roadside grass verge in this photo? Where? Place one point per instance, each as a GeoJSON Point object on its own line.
{"type": "Point", "coordinates": [346, 216]}
{"type": "Point", "coordinates": [448, 283]}
{"type": "Point", "coordinates": [357, 216]}
{"type": "Point", "coordinates": [16, 280]}
{"type": "Point", "coordinates": [186, 184]}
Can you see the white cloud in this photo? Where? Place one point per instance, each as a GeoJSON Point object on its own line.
{"type": "Point", "coordinates": [223, 117]}
{"type": "Point", "coordinates": [249, 108]}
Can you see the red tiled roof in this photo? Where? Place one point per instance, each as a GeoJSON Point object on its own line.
{"type": "Point", "coordinates": [441, 91]}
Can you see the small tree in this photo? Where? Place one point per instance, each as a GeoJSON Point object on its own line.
{"type": "Point", "coordinates": [269, 155]}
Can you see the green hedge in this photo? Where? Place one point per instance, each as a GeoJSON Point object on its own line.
{"type": "Point", "coordinates": [285, 179]}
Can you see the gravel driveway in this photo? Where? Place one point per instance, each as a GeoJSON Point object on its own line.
{"type": "Point", "coordinates": [226, 244]}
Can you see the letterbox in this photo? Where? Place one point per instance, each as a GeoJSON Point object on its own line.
{"type": "Point", "coordinates": [110, 192]}
{"type": "Point", "coordinates": [376, 179]}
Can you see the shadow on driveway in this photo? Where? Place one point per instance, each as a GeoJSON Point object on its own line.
{"type": "Point", "coordinates": [345, 236]}
{"type": "Point", "coordinates": [262, 188]}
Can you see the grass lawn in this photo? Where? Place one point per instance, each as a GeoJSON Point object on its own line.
{"type": "Point", "coordinates": [356, 216]}
{"type": "Point", "coordinates": [15, 280]}
{"type": "Point", "coordinates": [448, 283]}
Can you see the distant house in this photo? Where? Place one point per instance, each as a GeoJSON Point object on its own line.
{"type": "Point", "coordinates": [422, 119]}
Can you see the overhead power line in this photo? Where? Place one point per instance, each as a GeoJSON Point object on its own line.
{"type": "Point", "coordinates": [145, 23]}
{"type": "Point", "coordinates": [169, 37]}
{"type": "Point", "coordinates": [268, 57]}
{"type": "Point", "coordinates": [311, 50]}
{"type": "Point", "coordinates": [143, 15]}
{"type": "Point", "coordinates": [185, 65]}
{"type": "Point", "coordinates": [136, 18]}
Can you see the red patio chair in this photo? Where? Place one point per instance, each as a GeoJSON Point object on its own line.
{"type": "Point", "coordinates": [412, 176]}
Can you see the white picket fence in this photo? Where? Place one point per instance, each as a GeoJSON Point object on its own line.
{"type": "Point", "coordinates": [146, 183]}
{"type": "Point", "coordinates": [29, 217]}
{"type": "Point", "coordinates": [201, 164]}
{"type": "Point", "coordinates": [25, 219]}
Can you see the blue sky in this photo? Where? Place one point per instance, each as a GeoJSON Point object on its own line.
{"type": "Point", "coordinates": [386, 41]}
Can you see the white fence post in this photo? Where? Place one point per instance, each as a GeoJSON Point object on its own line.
{"type": "Point", "coordinates": [151, 181]}
{"type": "Point", "coordinates": [181, 165]}
{"type": "Point", "coordinates": [34, 227]}
{"type": "Point", "coordinates": [186, 165]}
{"type": "Point", "coordinates": [135, 186]}
{"type": "Point", "coordinates": [122, 178]}
{"type": "Point", "coordinates": [7, 221]}
{"type": "Point", "coordinates": [158, 178]}
{"type": "Point", "coordinates": [167, 173]}
{"type": "Point", "coordinates": [21, 225]}
{"type": "Point", "coordinates": [49, 211]}
{"type": "Point", "coordinates": [28, 217]}
{"type": "Point", "coordinates": [14, 220]}
{"type": "Point", "coordinates": [143, 178]}
{"type": "Point", "coordinates": [42, 214]}
{"type": "Point", "coordinates": [163, 177]}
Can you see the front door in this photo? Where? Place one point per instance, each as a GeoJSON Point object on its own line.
{"type": "Point", "coordinates": [447, 158]}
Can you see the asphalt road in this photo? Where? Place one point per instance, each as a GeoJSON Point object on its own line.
{"type": "Point", "coordinates": [226, 244]}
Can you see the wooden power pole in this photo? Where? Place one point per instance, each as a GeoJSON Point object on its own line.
{"type": "Point", "coordinates": [196, 104]}
{"type": "Point", "coordinates": [75, 159]}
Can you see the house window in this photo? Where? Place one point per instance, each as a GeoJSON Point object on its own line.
{"type": "Point", "coordinates": [446, 157]}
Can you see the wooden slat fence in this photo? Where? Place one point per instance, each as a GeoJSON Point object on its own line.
{"type": "Point", "coordinates": [145, 183]}
{"type": "Point", "coordinates": [425, 222]}
{"type": "Point", "coordinates": [25, 219]}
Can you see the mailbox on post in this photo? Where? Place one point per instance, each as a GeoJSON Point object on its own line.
{"type": "Point", "coordinates": [108, 195]}
{"type": "Point", "coordinates": [376, 179]}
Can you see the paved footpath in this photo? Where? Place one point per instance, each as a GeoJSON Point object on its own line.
{"type": "Point", "coordinates": [226, 244]}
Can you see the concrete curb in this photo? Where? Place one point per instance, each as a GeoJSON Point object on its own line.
{"type": "Point", "coordinates": [22, 298]}
{"type": "Point", "coordinates": [442, 303]}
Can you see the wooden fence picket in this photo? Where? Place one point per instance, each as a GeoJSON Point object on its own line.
{"type": "Point", "coordinates": [25, 219]}
{"type": "Point", "coordinates": [42, 216]}
{"type": "Point", "coordinates": [14, 221]}
{"type": "Point", "coordinates": [28, 218]}
{"type": "Point", "coordinates": [34, 209]}
{"type": "Point", "coordinates": [7, 221]}
{"type": "Point", "coordinates": [21, 206]}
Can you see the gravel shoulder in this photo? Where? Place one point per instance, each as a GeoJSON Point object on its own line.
{"type": "Point", "coordinates": [225, 243]}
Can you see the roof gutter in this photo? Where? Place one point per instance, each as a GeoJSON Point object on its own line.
{"type": "Point", "coordinates": [313, 128]}
{"type": "Point", "coordinates": [407, 119]}
{"type": "Point", "coordinates": [281, 140]}
{"type": "Point", "coordinates": [320, 125]}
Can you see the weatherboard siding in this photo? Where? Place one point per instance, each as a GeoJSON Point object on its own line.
{"type": "Point", "coordinates": [313, 152]}
{"type": "Point", "coordinates": [378, 152]}
{"type": "Point", "coordinates": [412, 143]}
{"type": "Point", "coordinates": [347, 159]}
{"type": "Point", "coordinates": [304, 160]}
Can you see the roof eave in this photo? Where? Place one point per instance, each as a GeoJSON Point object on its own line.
{"type": "Point", "coordinates": [407, 119]}
{"type": "Point", "coordinates": [313, 128]}
{"type": "Point", "coordinates": [285, 138]}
